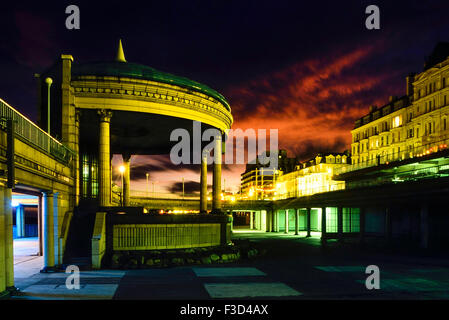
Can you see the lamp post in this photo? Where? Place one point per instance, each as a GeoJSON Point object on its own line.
{"type": "Point", "coordinates": [48, 81]}
{"type": "Point", "coordinates": [122, 170]}
{"type": "Point", "coordinates": [148, 185]}
{"type": "Point", "coordinates": [183, 188]}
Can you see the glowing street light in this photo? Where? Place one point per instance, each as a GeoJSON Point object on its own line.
{"type": "Point", "coordinates": [48, 81]}
{"type": "Point", "coordinates": [121, 169]}
{"type": "Point", "coordinates": [148, 184]}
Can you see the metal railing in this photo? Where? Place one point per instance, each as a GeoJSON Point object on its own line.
{"type": "Point", "coordinates": [308, 191]}
{"type": "Point", "coordinates": [413, 153]}
{"type": "Point", "coordinates": [32, 134]}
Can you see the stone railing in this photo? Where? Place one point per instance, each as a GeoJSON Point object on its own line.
{"type": "Point", "coordinates": [127, 231]}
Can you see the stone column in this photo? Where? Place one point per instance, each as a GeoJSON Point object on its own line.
{"type": "Point", "coordinates": [20, 221]}
{"type": "Point", "coordinates": [296, 222]}
{"type": "Point", "coordinates": [362, 226]}
{"type": "Point", "coordinates": [273, 222]}
{"type": "Point", "coordinates": [286, 221]}
{"type": "Point", "coordinates": [424, 226]}
{"type": "Point", "coordinates": [323, 225]}
{"type": "Point", "coordinates": [251, 220]}
{"type": "Point", "coordinates": [277, 221]}
{"type": "Point", "coordinates": [77, 159]}
{"type": "Point", "coordinates": [8, 236]}
{"type": "Point", "coordinates": [2, 245]}
{"type": "Point", "coordinates": [104, 158]}
{"type": "Point", "coordinates": [216, 185]}
{"type": "Point", "coordinates": [126, 178]}
{"type": "Point", "coordinates": [47, 213]}
{"type": "Point", "coordinates": [203, 184]}
{"type": "Point", "coordinates": [308, 222]}
{"type": "Point", "coordinates": [340, 223]}
{"type": "Point", "coordinates": [269, 220]}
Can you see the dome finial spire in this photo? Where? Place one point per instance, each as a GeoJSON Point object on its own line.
{"type": "Point", "coordinates": [120, 54]}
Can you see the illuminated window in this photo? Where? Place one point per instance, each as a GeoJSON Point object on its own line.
{"type": "Point", "coordinates": [89, 167]}
{"type": "Point", "coordinates": [397, 121]}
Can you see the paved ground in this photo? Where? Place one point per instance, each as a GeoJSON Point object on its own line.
{"type": "Point", "coordinates": [294, 267]}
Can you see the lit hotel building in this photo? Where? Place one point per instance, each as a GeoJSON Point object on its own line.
{"type": "Point", "coordinates": [413, 125]}
{"type": "Point", "coordinates": [258, 182]}
{"type": "Point", "coordinates": [313, 176]}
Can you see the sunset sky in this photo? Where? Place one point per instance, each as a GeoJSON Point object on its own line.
{"type": "Point", "coordinates": [306, 68]}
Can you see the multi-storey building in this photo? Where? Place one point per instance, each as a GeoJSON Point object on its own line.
{"type": "Point", "coordinates": [258, 181]}
{"type": "Point", "coordinates": [412, 125]}
{"type": "Point", "coordinates": [312, 176]}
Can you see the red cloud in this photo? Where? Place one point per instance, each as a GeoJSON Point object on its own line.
{"type": "Point", "coordinates": [313, 103]}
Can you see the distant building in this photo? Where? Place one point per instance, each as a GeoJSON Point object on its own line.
{"type": "Point", "coordinates": [258, 181]}
{"type": "Point", "coordinates": [412, 125]}
{"type": "Point", "coordinates": [312, 176]}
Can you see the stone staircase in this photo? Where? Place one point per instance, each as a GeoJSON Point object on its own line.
{"type": "Point", "coordinates": [78, 246]}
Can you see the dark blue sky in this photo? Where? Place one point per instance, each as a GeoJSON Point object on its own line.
{"type": "Point", "coordinates": [307, 68]}
{"type": "Point", "coordinates": [221, 43]}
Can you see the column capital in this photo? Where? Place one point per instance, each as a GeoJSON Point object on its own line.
{"type": "Point", "coordinates": [105, 115]}
{"type": "Point", "coordinates": [77, 115]}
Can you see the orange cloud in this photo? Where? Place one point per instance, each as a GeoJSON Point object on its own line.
{"type": "Point", "coordinates": [313, 103]}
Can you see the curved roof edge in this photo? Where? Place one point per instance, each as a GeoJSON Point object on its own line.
{"type": "Point", "coordinates": [139, 71]}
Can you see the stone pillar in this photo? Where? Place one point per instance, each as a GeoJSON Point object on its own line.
{"type": "Point", "coordinates": [268, 220]}
{"type": "Point", "coordinates": [20, 221]}
{"type": "Point", "coordinates": [8, 236]}
{"type": "Point", "coordinates": [57, 250]}
{"type": "Point", "coordinates": [308, 222]}
{"type": "Point", "coordinates": [323, 225]}
{"type": "Point", "coordinates": [388, 229]}
{"type": "Point", "coordinates": [277, 221]}
{"type": "Point", "coordinates": [286, 221]}
{"type": "Point", "coordinates": [424, 226]}
{"type": "Point", "coordinates": [273, 220]}
{"type": "Point", "coordinates": [77, 159]}
{"type": "Point", "coordinates": [126, 178]}
{"type": "Point", "coordinates": [47, 212]}
{"type": "Point", "coordinates": [296, 222]}
{"type": "Point", "coordinates": [104, 158]}
{"type": "Point", "coordinates": [340, 223]}
{"type": "Point", "coordinates": [216, 185]}
{"type": "Point", "coordinates": [2, 245]}
{"type": "Point", "coordinates": [203, 184]}
{"type": "Point", "coordinates": [251, 220]}
{"type": "Point", "coordinates": [362, 226]}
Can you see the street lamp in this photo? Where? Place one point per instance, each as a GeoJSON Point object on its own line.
{"type": "Point", "coordinates": [48, 81]}
{"type": "Point", "coordinates": [148, 184]}
{"type": "Point", "coordinates": [122, 170]}
{"type": "Point", "coordinates": [183, 188]}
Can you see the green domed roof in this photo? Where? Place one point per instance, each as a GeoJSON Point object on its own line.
{"type": "Point", "coordinates": [138, 71]}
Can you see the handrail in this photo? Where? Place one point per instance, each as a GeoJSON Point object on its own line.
{"type": "Point", "coordinates": [415, 152]}
{"type": "Point", "coordinates": [31, 133]}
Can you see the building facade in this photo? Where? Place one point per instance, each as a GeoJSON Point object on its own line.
{"type": "Point", "coordinates": [413, 125]}
{"type": "Point", "coordinates": [258, 181]}
{"type": "Point", "coordinates": [313, 176]}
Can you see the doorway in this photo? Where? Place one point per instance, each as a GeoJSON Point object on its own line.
{"type": "Point", "coordinates": [27, 230]}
